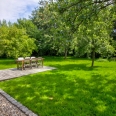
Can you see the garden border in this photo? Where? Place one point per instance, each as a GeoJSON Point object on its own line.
{"type": "Point", "coordinates": [22, 108]}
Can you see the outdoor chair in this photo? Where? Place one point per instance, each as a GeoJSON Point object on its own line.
{"type": "Point", "coordinates": [27, 63]}
{"type": "Point", "coordinates": [20, 63]}
{"type": "Point", "coordinates": [39, 61]}
{"type": "Point", "coordinates": [33, 62]}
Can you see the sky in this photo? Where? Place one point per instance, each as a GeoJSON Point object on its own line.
{"type": "Point", "coordinates": [11, 10]}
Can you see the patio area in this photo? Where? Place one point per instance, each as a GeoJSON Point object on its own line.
{"type": "Point", "coordinates": [14, 73]}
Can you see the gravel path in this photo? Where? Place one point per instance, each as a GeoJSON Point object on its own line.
{"type": "Point", "coordinates": [8, 109]}
{"type": "Point", "coordinates": [8, 105]}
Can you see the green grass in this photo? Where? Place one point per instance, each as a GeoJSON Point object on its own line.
{"type": "Point", "coordinates": [73, 89]}
{"type": "Point", "coordinates": [7, 63]}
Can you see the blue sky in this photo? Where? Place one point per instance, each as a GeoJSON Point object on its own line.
{"type": "Point", "coordinates": [11, 10]}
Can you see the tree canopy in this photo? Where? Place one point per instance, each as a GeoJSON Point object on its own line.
{"type": "Point", "coordinates": [15, 42]}
{"type": "Point", "coordinates": [63, 27]}
{"type": "Point", "coordinates": [82, 11]}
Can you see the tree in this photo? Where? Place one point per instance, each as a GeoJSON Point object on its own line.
{"type": "Point", "coordinates": [95, 37]}
{"type": "Point", "coordinates": [55, 33]}
{"type": "Point", "coordinates": [85, 15]}
{"type": "Point", "coordinates": [61, 22]}
{"type": "Point", "coordinates": [62, 36]}
{"type": "Point", "coordinates": [31, 30]}
{"type": "Point", "coordinates": [15, 42]}
{"type": "Point", "coordinates": [43, 17]}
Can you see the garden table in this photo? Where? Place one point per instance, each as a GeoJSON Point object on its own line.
{"type": "Point", "coordinates": [21, 62]}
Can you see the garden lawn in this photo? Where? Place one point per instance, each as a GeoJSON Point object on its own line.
{"type": "Point", "coordinates": [73, 89]}
{"type": "Point", "coordinates": [7, 63]}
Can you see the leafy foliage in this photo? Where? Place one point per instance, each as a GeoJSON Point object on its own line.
{"type": "Point", "coordinates": [75, 27]}
{"type": "Point", "coordinates": [15, 42]}
{"type": "Point", "coordinates": [28, 25]}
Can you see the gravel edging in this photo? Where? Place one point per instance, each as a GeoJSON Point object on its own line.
{"type": "Point", "coordinates": [20, 107]}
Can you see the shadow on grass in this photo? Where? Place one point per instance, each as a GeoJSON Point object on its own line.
{"type": "Point", "coordinates": [7, 61]}
{"type": "Point", "coordinates": [70, 67]}
{"type": "Point", "coordinates": [55, 94]}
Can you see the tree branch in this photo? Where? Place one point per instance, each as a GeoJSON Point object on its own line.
{"type": "Point", "coordinates": [81, 2]}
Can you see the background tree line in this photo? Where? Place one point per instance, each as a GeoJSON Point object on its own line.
{"type": "Point", "coordinates": [63, 27]}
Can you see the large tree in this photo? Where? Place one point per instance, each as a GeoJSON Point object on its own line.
{"type": "Point", "coordinates": [84, 19]}
{"type": "Point", "coordinates": [94, 39]}
{"type": "Point", "coordinates": [15, 42]}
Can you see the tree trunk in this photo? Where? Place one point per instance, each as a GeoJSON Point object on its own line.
{"type": "Point", "coordinates": [65, 54]}
{"type": "Point", "coordinates": [93, 57]}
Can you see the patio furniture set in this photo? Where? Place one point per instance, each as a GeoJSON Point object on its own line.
{"type": "Point", "coordinates": [29, 62]}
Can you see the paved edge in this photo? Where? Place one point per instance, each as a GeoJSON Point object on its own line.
{"type": "Point", "coordinates": [24, 109]}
